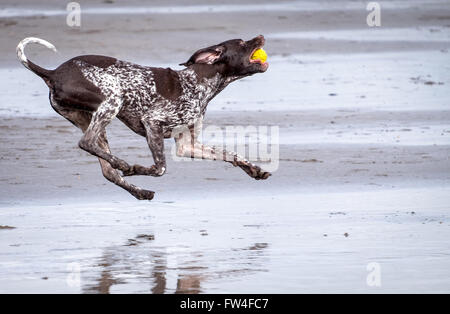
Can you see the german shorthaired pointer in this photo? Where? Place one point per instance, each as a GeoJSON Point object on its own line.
{"type": "Point", "coordinates": [91, 90]}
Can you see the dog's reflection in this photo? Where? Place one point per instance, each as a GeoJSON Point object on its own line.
{"type": "Point", "coordinates": [141, 267]}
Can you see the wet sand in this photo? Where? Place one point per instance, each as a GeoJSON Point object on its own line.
{"type": "Point", "coordinates": [363, 176]}
{"type": "Point", "coordinates": [318, 150]}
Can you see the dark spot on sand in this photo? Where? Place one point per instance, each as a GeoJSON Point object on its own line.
{"type": "Point", "coordinates": [135, 241]}
{"type": "Point", "coordinates": [420, 80]}
{"type": "Point", "coordinates": [7, 228]}
{"type": "Point", "coordinates": [258, 246]}
{"type": "Point", "coordinates": [346, 235]}
{"type": "Point", "coordinates": [301, 160]}
{"type": "Point", "coordinates": [132, 242]}
{"type": "Point", "coordinates": [7, 22]}
{"type": "Point", "coordinates": [253, 226]}
{"type": "Point", "coordinates": [311, 160]}
{"type": "Point", "coordinates": [148, 237]}
{"type": "Point", "coordinates": [337, 213]}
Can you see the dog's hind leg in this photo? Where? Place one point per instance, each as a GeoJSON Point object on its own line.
{"type": "Point", "coordinates": [82, 119]}
{"type": "Point", "coordinates": [114, 176]}
{"type": "Point", "coordinates": [90, 140]}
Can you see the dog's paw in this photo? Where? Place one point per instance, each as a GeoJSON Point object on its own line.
{"type": "Point", "coordinates": [262, 175]}
{"type": "Point", "coordinates": [144, 195]}
{"type": "Point", "coordinates": [120, 164]}
{"type": "Point", "coordinates": [129, 172]}
{"type": "Point", "coordinates": [259, 174]}
{"type": "Point", "coordinates": [254, 171]}
{"type": "Point", "coordinates": [138, 170]}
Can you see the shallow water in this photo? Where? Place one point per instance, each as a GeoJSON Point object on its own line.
{"type": "Point", "coordinates": [310, 242]}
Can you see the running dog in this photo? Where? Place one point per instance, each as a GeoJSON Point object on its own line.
{"type": "Point", "coordinates": [92, 90]}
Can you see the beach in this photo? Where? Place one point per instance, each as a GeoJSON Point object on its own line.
{"type": "Point", "coordinates": [362, 176]}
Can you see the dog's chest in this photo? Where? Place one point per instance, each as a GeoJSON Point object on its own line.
{"type": "Point", "coordinates": [192, 103]}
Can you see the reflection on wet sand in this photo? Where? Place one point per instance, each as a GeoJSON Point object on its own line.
{"type": "Point", "coordinates": [141, 267]}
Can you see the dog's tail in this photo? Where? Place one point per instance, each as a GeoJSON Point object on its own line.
{"type": "Point", "coordinates": [27, 63]}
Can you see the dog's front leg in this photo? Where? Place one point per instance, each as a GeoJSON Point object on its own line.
{"type": "Point", "coordinates": [188, 146]}
{"type": "Point", "coordinates": [155, 140]}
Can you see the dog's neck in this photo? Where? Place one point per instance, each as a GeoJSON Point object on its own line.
{"type": "Point", "coordinates": [203, 81]}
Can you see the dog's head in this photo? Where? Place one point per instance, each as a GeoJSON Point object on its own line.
{"type": "Point", "coordinates": [232, 58]}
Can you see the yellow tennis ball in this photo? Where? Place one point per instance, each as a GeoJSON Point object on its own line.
{"type": "Point", "coordinates": [259, 54]}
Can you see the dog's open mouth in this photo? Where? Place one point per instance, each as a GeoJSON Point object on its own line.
{"type": "Point", "coordinates": [256, 59]}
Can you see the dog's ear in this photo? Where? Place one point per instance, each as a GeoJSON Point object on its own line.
{"type": "Point", "coordinates": [208, 55]}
